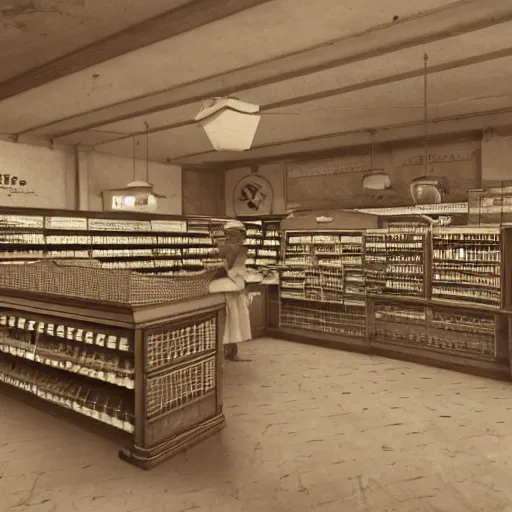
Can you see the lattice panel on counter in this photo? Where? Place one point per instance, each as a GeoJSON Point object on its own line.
{"type": "Point", "coordinates": [166, 346]}
{"type": "Point", "coordinates": [179, 387]}
{"type": "Point", "coordinates": [401, 323]}
{"type": "Point", "coordinates": [344, 320]}
{"type": "Point", "coordinates": [470, 333]}
{"type": "Point", "coordinates": [436, 328]}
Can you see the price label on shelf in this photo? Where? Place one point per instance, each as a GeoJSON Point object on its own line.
{"type": "Point", "coordinates": [71, 223]}
{"type": "Point", "coordinates": [178, 226]}
{"type": "Point", "coordinates": [119, 225]}
{"type": "Point", "coordinates": [124, 345]}
{"type": "Point", "coordinates": [21, 221]}
{"type": "Point", "coordinates": [112, 342]}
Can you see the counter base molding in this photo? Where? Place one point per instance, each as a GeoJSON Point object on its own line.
{"type": "Point", "coordinates": [152, 372]}
{"type": "Point", "coordinates": [147, 458]}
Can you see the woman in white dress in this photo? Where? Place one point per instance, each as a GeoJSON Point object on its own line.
{"type": "Point", "coordinates": [234, 254]}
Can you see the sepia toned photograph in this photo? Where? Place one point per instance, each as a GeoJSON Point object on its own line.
{"type": "Point", "coordinates": [255, 256]}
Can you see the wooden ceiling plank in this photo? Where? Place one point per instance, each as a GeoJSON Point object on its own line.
{"type": "Point", "coordinates": [466, 16]}
{"type": "Point", "coordinates": [164, 26]}
{"type": "Point", "coordinates": [366, 131]}
{"type": "Point", "coordinates": [399, 77]}
{"type": "Point", "coordinates": [361, 149]}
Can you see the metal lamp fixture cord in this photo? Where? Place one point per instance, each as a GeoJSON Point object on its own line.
{"type": "Point", "coordinates": [147, 151]}
{"type": "Point", "coordinates": [425, 111]}
{"type": "Point", "coordinates": [133, 147]}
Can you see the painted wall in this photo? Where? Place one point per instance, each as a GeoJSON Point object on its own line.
{"type": "Point", "coordinates": [104, 172]}
{"type": "Point", "coordinates": [55, 178]}
{"type": "Point", "coordinates": [496, 159]}
{"type": "Point", "coordinates": [203, 192]}
{"type": "Point", "coordinates": [337, 182]}
{"type": "Point", "coordinates": [45, 178]}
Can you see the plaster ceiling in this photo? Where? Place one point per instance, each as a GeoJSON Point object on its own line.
{"type": "Point", "coordinates": [325, 73]}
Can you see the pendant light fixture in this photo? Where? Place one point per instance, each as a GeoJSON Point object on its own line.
{"type": "Point", "coordinates": [229, 124]}
{"type": "Point", "coordinates": [427, 189]}
{"type": "Point", "coordinates": [375, 179]}
{"type": "Point", "coordinates": [139, 194]}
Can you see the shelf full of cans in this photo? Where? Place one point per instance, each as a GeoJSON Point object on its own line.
{"type": "Point", "coordinates": [88, 368]}
{"type": "Point", "coordinates": [394, 261]}
{"type": "Point", "coordinates": [323, 266]}
{"type": "Point", "coordinates": [321, 282]}
{"type": "Point", "coordinates": [172, 247]}
{"type": "Point", "coordinates": [263, 242]}
{"type": "Point", "coordinates": [466, 265]}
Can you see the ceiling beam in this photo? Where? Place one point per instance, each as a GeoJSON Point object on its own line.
{"type": "Point", "coordinates": [460, 18]}
{"type": "Point", "coordinates": [438, 126]}
{"type": "Point", "coordinates": [362, 149]}
{"type": "Point", "coordinates": [185, 18]}
{"type": "Point", "coordinates": [367, 84]}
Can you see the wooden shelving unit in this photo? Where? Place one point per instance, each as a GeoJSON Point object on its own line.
{"type": "Point", "coordinates": [129, 352]}
{"type": "Point", "coordinates": [321, 279]}
{"type": "Point", "coordinates": [151, 372]}
{"type": "Point", "coordinates": [441, 296]}
{"type": "Point", "coordinates": [155, 244]}
{"type": "Point", "coordinates": [263, 242]}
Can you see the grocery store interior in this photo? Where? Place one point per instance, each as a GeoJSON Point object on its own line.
{"type": "Point", "coordinates": [362, 151]}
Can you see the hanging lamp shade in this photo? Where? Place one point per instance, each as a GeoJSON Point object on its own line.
{"type": "Point", "coordinates": [376, 179]}
{"type": "Point", "coordinates": [137, 196]}
{"type": "Point", "coordinates": [230, 124]}
{"type": "Point", "coordinates": [428, 190]}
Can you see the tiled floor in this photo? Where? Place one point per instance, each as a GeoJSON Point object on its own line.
{"type": "Point", "coordinates": [308, 430]}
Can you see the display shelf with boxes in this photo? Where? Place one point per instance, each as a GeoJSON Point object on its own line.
{"type": "Point", "coordinates": [469, 333]}
{"type": "Point", "coordinates": [263, 242]}
{"type": "Point", "coordinates": [467, 265]}
{"type": "Point", "coordinates": [323, 266]}
{"type": "Point", "coordinates": [456, 321]}
{"type": "Point", "coordinates": [396, 260]}
{"type": "Point", "coordinates": [321, 276]}
{"type": "Point", "coordinates": [156, 244]}
{"type": "Point", "coordinates": [150, 371]}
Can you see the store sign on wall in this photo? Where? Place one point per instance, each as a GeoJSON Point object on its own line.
{"type": "Point", "coordinates": [438, 158]}
{"type": "Point", "coordinates": [308, 171]}
{"type": "Point", "coordinates": [14, 185]}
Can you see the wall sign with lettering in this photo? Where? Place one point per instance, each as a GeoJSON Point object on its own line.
{"type": "Point", "coordinates": [13, 184]}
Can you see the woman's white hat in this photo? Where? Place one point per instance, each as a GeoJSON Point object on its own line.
{"type": "Point", "coordinates": [234, 224]}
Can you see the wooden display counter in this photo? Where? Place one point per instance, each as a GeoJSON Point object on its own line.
{"type": "Point", "coordinates": [150, 372]}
